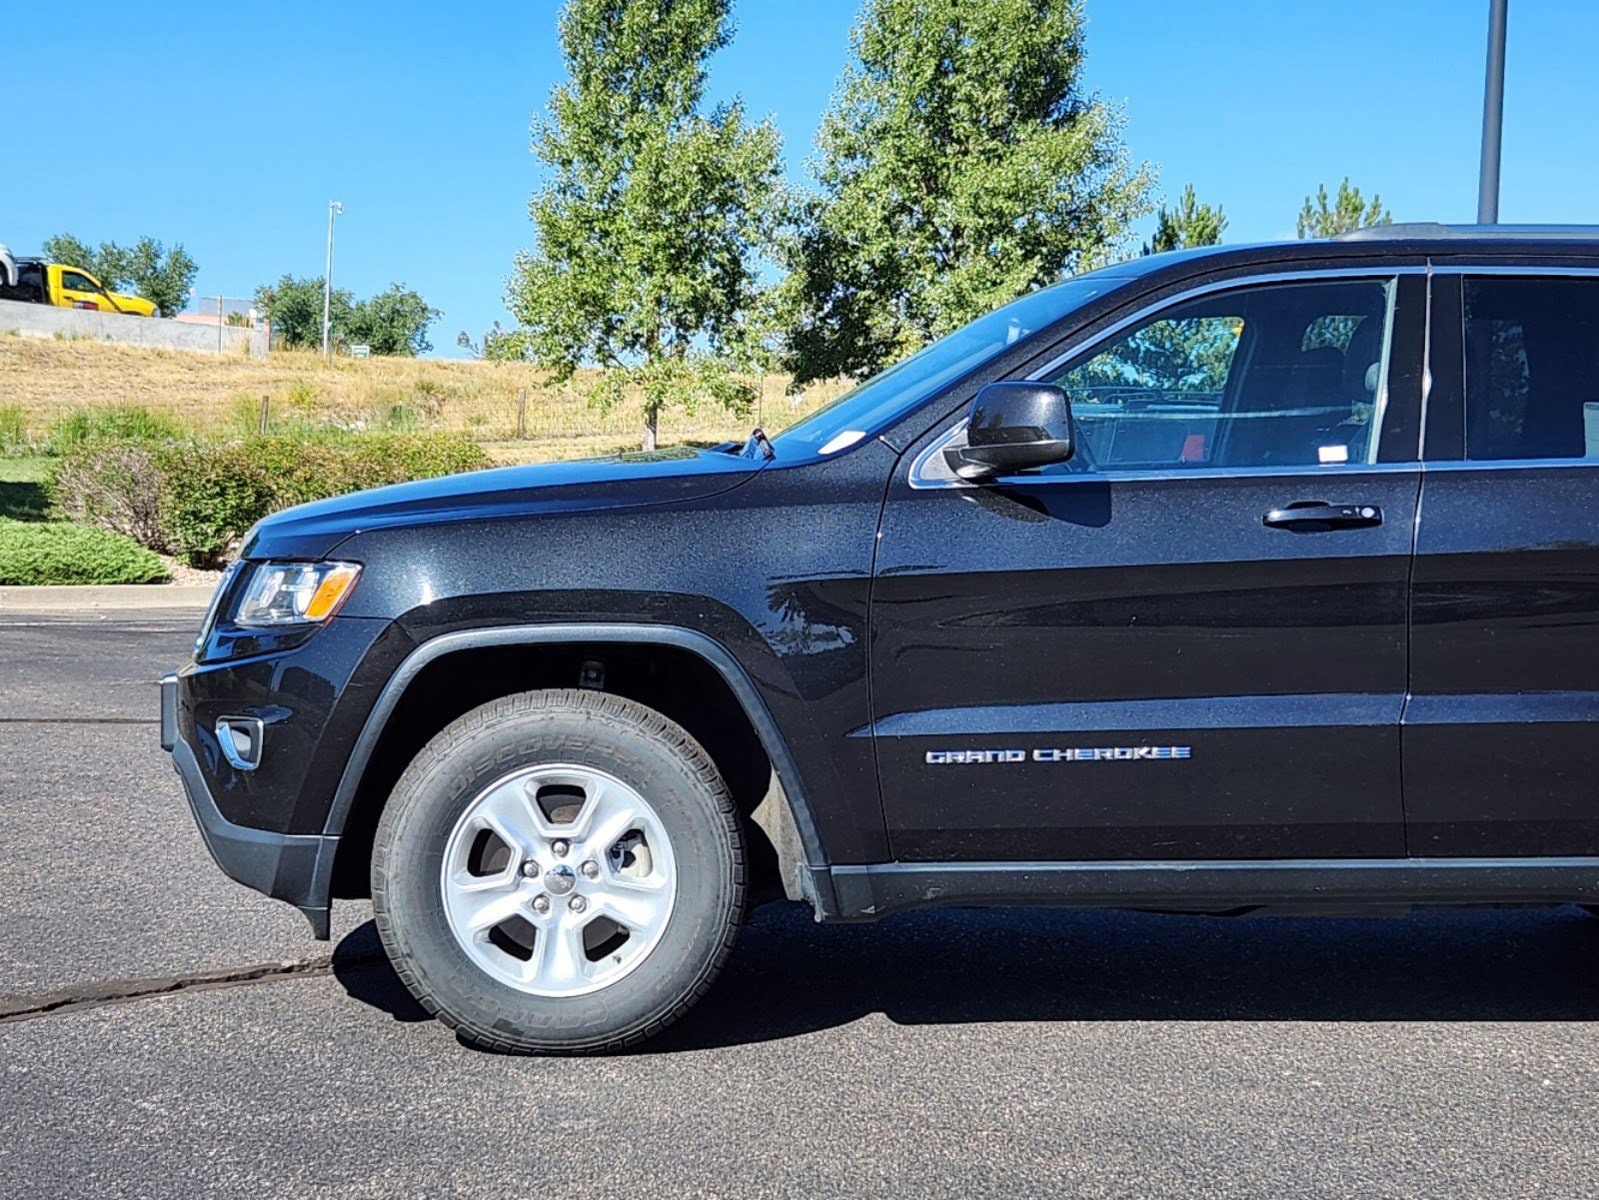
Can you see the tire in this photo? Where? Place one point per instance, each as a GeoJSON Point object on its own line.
{"type": "Point", "coordinates": [474, 839]}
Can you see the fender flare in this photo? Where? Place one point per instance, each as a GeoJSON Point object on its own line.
{"type": "Point", "coordinates": [816, 873]}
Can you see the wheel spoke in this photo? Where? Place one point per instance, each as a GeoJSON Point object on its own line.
{"type": "Point", "coordinates": [509, 816]}
{"type": "Point", "coordinates": [655, 881]}
{"type": "Point", "coordinates": [481, 909]}
{"type": "Point", "coordinates": [642, 914]}
{"type": "Point", "coordinates": [465, 882]}
{"type": "Point", "coordinates": [609, 828]}
{"type": "Point", "coordinates": [558, 960]}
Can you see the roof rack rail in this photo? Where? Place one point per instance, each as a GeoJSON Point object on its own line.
{"type": "Point", "coordinates": [1419, 230]}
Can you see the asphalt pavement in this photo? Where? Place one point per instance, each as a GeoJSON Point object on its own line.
{"type": "Point", "coordinates": [938, 1054]}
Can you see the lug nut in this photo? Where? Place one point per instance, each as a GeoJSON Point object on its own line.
{"type": "Point", "coordinates": [577, 904]}
{"type": "Point", "coordinates": [591, 869]}
{"type": "Point", "coordinates": [560, 848]}
{"type": "Point", "coordinates": [530, 869]}
{"type": "Point", "coordinates": [541, 904]}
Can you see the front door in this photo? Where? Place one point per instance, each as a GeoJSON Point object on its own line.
{"type": "Point", "coordinates": [80, 290]}
{"type": "Point", "coordinates": [1190, 641]}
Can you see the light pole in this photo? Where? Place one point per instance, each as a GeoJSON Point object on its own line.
{"type": "Point", "coordinates": [1493, 115]}
{"type": "Point", "coordinates": [335, 209]}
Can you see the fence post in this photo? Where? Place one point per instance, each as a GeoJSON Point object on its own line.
{"type": "Point", "coordinates": [264, 403]}
{"type": "Point", "coordinates": [521, 414]}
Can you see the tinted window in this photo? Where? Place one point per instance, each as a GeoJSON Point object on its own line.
{"type": "Point", "coordinates": [1276, 375]}
{"type": "Point", "coordinates": [74, 282]}
{"type": "Point", "coordinates": [1532, 368]}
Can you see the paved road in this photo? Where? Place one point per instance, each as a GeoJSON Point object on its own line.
{"type": "Point", "coordinates": [941, 1054]}
{"type": "Point", "coordinates": [104, 874]}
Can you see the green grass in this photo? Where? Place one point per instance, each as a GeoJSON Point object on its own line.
{"type": "Point", "coordinates": [119, 423]}
{"type": "Point", "coordinates": [44, 552]}
{"type": "Point", "coordinates": [22, 490]}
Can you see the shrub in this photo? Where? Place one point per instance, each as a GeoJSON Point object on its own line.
{"type": "Point", "coordinates": [212, 495]}
{"type": "Point", "coordinates": [40, 552]}
{"type": "Point", "coordinates": [209, 498]}
{"type": "Point", "coordinates": [125, 423]}
{"type": "Point", "coordinates": [115, 485]}
{"type": "Point", "coordinates": [197, 500]}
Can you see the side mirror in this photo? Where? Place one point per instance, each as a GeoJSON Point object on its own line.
{"type": "Point", "coordinates": [1014, 427]}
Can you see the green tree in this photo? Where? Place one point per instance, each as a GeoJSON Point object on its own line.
{"type": "Point", "coordinates": [294, 306]}
{"type": "Point", "coordinates": [1189, 224]}
{"type": "Point", "coordinates": [145, 268]}
{"type": "Point", "coordinates": [962, 164]}
{"type": "Point", "coordinates": [152, 271]}
{"type": "Point", "coordinates": [67, 250]}
{"type": "Point", "coordinates": [392, 322]}
{"type": "Point", "coordinates": [653, 215]}
{"type": "Point", "coordinates": [1348, 211]}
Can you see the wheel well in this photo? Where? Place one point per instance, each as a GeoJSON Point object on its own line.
{"type": "Point", "coordinates": [674, 682]}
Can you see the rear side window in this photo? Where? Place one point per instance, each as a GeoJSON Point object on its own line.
{"type": "Point", "coordinates": [1532, 368]}
{"type": "Point", "coordinates": [1274, 375]}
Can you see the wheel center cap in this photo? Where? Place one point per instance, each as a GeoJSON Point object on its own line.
{"type": "Point", "coordinates": [560, 880]}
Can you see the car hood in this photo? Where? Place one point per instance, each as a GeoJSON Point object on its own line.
{"type": "Point", "coordinates": [312, 531]}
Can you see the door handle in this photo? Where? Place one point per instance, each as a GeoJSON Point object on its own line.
{"type": "Point", "coordinates": [1312, 516]}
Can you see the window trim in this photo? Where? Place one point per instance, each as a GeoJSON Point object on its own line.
{"type": "Point", "coordinates": [920, 481]}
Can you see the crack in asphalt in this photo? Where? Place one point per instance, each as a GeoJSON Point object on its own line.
{"type": "Point", "coordinates": [122, 991]}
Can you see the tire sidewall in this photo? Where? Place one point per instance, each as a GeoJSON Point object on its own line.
{"type": "Point", "coordinates": [444, 782]}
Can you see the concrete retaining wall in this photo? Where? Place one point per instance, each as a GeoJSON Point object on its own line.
{"type": "Point", "coordinates": [47, 320]}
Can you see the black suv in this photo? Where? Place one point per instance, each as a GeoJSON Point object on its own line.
{"type": "Point", "coordinates": [1239, 579]}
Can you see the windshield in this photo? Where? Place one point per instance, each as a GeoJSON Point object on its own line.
{"type": "Point", "coordinates": [894, 392]}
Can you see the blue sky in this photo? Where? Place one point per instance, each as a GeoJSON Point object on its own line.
{"type": "Point", "coordinates": [229, 127]}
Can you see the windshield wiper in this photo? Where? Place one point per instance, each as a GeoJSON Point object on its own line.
{"type": "Point", "coordinates": [758, 436]}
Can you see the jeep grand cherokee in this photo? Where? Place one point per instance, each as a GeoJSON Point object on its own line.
{"type": "Point", "coordinates": [1234, 580]}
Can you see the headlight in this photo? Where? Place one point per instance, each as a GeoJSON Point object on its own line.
{"type": "Point", "coordinates": [294, 593]}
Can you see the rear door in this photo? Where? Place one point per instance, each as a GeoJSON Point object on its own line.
{"type": "Point", "coordinates": [1502, 731]}
{"type": "Point", "coordinates": [1190, 641]}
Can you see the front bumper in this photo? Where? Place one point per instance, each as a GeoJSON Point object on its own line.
{"type": "Point", "coordinates": [285, 866]}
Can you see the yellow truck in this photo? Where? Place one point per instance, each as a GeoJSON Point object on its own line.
{"type": "Point", "coordinates": [35, 281]}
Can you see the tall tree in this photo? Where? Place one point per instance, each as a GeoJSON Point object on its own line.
{"type": "Point", "coordinates": [1348, 211]}
{"type": "Point", "coordinates": [393, 322]}
{"type": "Point", "coordinates": [962, 164]}
{"type": "Point", "coordinates": [69, 251]}
{"type": "Point", "coordinates": [651, 222]}
{"type": "Point", "coordinates": [145, 268]}
{"type": "Point", "coordinates": [294, 306]}
{"type": "Point", "coordinates": [1189, 224]}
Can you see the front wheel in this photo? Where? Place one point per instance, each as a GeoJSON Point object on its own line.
{"type": "Point", "coordinates": [559, 872]}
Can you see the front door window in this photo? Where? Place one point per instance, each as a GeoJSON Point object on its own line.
{"type": "Point", "coordinates": [1278, 375]}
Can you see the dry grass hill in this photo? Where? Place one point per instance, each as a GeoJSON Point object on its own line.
{"type": "Point", "coordinates": [41, 380]}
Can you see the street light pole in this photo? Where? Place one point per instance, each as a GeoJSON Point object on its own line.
{"type": "Point", "coordinates": [1493, 115]}
{"type": "Point", "coordinates": [335, 208]}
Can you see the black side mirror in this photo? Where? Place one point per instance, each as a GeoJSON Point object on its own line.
{"type": "Point", "coordinates": [1014, 427]}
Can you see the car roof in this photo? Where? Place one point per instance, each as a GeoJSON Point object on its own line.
{"type": "Point", "coordinates": [1412, 240]}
